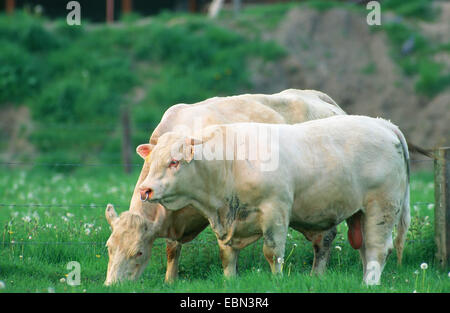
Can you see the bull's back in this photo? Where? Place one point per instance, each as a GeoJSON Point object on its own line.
{"type": "Point", "coordinates": [287, 107]}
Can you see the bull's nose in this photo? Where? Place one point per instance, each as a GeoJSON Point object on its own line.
{"type": "Point", "coordinates": [146, 193]}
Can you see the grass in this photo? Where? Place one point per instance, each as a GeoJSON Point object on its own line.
{"type": "Point", "coordinates": [38, 260]}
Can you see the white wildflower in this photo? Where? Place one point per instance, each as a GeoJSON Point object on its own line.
{"type": "Point", "coordinates": [430, 206]}
{"type": "Point", "coordinates": [62, 280]}
{"type": "Point", "coordinates": [338, 248]}
{"type": "Point", "coordinates": [113, 190]}
{"type": "Point", "coordinates": [424, 266]}
{"type": "Point", "coordinates": [35, 215]}
{"type": "Point", "coordinates": [26, 219]}
{"type": "Point", "coordinates": [280, 260]}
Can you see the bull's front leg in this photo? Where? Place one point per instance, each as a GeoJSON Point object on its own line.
{"type": "Point", "coordinates": [274, 235]}
{"type": "Point", "coordinates": [173, 250]}
{"type": "Point", "coordinates": [229, 257]}
{"type": "Point", "coordinates": [322, 247]}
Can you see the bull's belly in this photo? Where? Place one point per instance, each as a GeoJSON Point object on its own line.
{"type": "Point", "coordinates": [320, 218]}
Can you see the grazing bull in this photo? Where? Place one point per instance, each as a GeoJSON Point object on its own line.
{"type": "Point", "coordinates": [342, 168]}
{"type": "Point", "coordinates": [134, 232]}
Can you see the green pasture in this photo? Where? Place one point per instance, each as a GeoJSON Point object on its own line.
{"type": "Point", "coordinates": [37, 243]}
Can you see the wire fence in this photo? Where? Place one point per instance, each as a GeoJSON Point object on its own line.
{"type": "Point", "coordinates": [6, 164]}
{"type": "Point", "coordinates": [125, 206]}
{"type": "Point", "coordinates": [100, 243]}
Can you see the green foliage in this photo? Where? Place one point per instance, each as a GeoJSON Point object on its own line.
{"type": "Point", "coordinates": [419, 61]}
{"type": "Point", "coordinates": [20, 72]}
{"type": "Point", "coordinates": [73, 76]}
{"type": "Point", "coordinates": [412, 8]}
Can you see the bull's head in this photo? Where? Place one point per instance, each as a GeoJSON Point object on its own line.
{"type": "Point", "coordinates": [170, 176]}
{"type": "Point", "coordinates": [129, 246]}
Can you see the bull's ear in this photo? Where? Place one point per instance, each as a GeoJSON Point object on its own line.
{"type": "Point", "coordinates": [110, 214]}
{"type": "Point", "coordinates": [190, 143]}
{"type": "Point", "coordinates": [144, 150]}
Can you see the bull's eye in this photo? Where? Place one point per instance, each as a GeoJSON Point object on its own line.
{"type": "Point", "coordinates": [174, 163]}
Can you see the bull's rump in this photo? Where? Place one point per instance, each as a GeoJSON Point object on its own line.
{"type": "Point", "coordinates": [331, 168]}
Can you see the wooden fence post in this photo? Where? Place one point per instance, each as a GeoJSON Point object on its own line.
{"type": "Point", "coordinates": [109, 11]}
{"type": "Point", "coordinates": [442, 206]}
{"type": "Point", "coordinates": [126, 138]}
{"type": "Point", "coordinates": [10, 5]}
{"type": "Point", "coordinates": [127, 6]}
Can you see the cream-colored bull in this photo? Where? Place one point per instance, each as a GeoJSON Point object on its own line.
{"type": "Point", "coordinates": [351, 168]}
{"type": "Point", "coordinates": [134, 232]}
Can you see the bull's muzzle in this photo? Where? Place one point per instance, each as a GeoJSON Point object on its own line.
{"type": "Point", "coordinates": [146, 193]}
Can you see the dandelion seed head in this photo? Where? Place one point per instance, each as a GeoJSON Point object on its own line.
{"type": "Point", "coordinates": [424, 266]}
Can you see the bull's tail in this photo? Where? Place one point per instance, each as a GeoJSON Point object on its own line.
{"type": "Point", "coordinates": [413, 148]}
{"type": "Point", "coordinates": [405, 217]}
{"type": "Point", "coordinates": [402, 227]}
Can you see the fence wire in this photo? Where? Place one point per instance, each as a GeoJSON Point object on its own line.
{"type": "Point", "coordinates": [10, 164]}
{"type": "Point", "coordinates": [194, 243]}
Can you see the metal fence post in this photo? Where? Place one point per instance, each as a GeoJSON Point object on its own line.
{"type": "Point", "coordinates": [442, 207]}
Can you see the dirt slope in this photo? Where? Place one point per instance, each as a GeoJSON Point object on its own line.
{"type": "Point", "coordinates": [337, 52]}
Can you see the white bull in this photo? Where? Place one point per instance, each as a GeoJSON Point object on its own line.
{"type": "Point", "coordinates": [134, 231]}
{"type": "Point", "coordinates": [351, 168]}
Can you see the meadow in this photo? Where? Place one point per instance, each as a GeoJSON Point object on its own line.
{"type": "Point", "coordinates": [59, 217]}
{"type": "Point", "coordinates": [75, 81]}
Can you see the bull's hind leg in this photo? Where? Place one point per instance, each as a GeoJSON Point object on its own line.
{"type": "Point", "coordinates": [322, 248]}
{"type": "Point", "coordinates": [229, 257]}
{"type": "Point", "coordinates": [377, 224]}
{"type": "Point", "coordinates": [173, 250]}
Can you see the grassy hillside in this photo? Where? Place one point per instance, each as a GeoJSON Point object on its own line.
{"type": "Point", "coordinates": [75, 79]}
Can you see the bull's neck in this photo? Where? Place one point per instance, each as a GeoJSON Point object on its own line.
{"type": "Point", "coordinates": [214, 190]}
